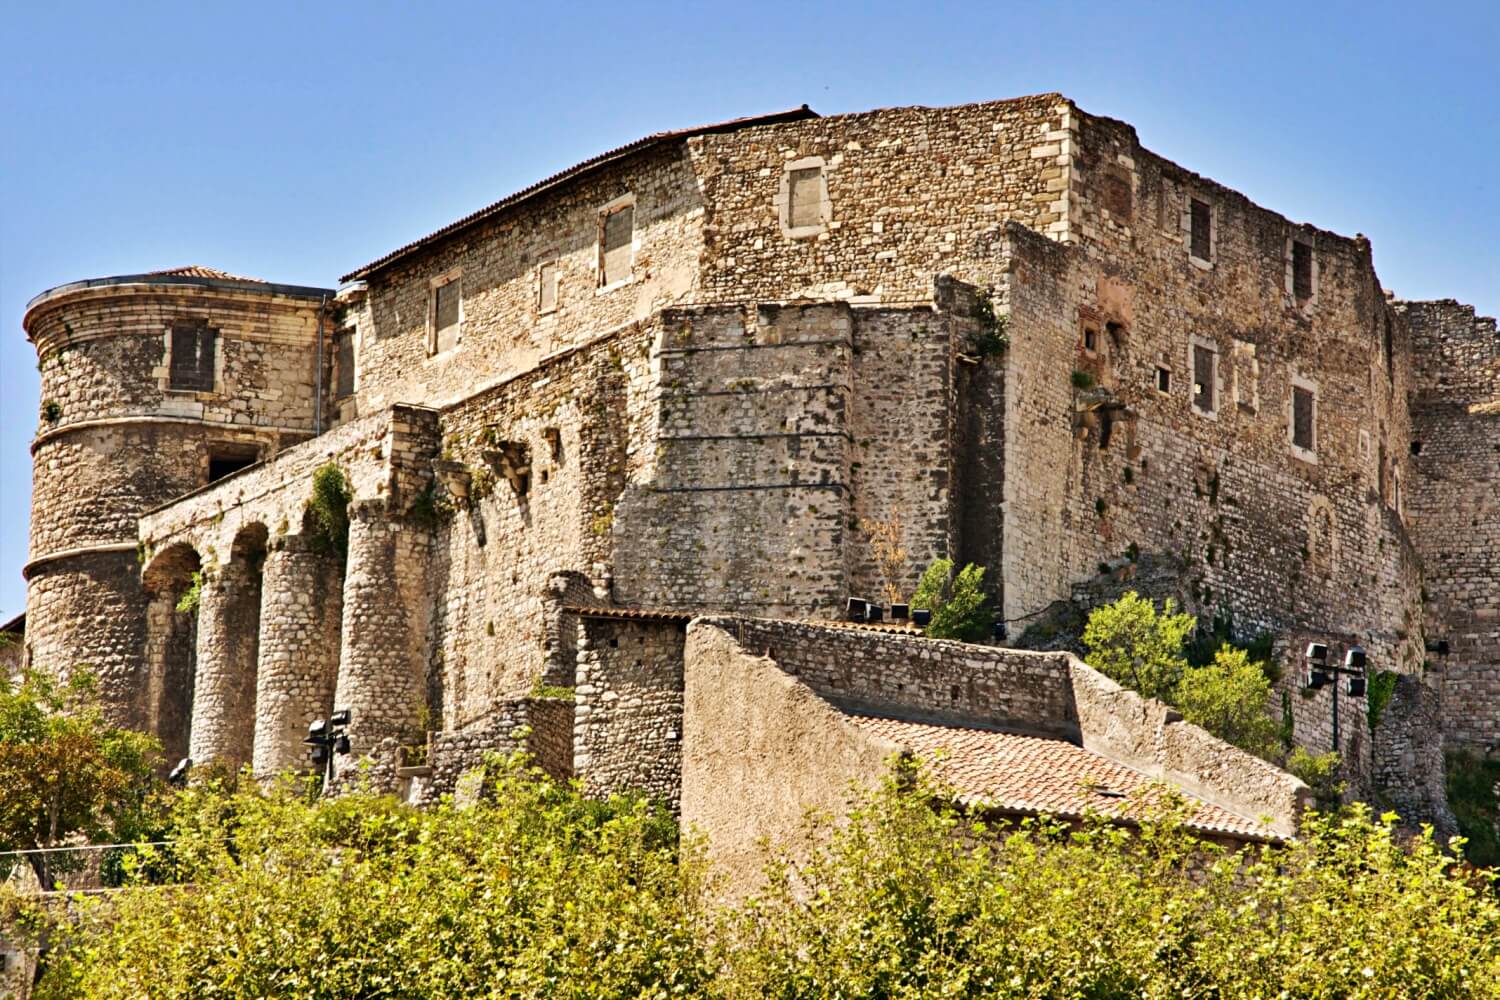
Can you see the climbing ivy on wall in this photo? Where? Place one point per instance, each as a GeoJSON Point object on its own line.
{"type": "Point", "coordinates": [328, 508]}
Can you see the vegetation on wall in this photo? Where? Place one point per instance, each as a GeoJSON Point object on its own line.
{"type": "Point", "coordinates": [328, 508]}
{"type": "Point", "coordinates": [958, 605]}
{"type": "Point", "coordinates": [191, 597]}
{"type": "Point", "coordinates": [52, 411]}
{"type": "Point", "coordinates": [993, 337]}
{"type": "Point", "coordinates": [1471, 785]}
{"type": "Point", "coordinates": [539, 892]}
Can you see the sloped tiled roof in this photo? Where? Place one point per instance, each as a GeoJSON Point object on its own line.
{"type": "Point", "coordinates": [199, 271]}
{"type": "Point", "coordinates": [1035, 775]}
{"type": "Point", "coordinates": [577, 170]}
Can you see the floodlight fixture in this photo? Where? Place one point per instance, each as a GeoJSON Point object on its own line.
{"type": "Point", "coordinates": [921, 617]}
{"type": "Point", "coordinates": [900, 612]}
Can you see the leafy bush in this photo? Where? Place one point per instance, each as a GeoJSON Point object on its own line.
{"type": "Point", "coordinates": [1320, 772]}
{"type": "Point", "coordinates": [1231, 698]}
{"type": "Point", "coordinates": [193, 596]}
{"type": "Point", "coordinates": [328, 508]}
{"type": "Point", "coordinates": [1133, 644]}
{"type": "Point", "coordinates": [543, 893]}
{"type": "Point", "coordinates": [958, 605]}
{"type": "Point", "coordinates": [1471, 783]}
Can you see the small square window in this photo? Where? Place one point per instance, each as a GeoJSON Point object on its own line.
{"type": "Point", "coordinates": [447, 310]}
{"type": "Point", "coordinates": [1201, 229]}
{"type": "Point", "coordinates": [1204, 363]}
{"type": "Point", "coordinates": [1163, 379]}
{"type": "Point", "coordinates": [615, 244]}
{"type": "Point", "coordinates": [1302, 270]}
{"type": "Point", "coordinates": [1304, 417]}
{"type": "Point", "coordinates": [192, 364]}
{"type": "Point", "coordinates": [546, 277]}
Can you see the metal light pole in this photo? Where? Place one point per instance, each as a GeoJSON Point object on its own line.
{"type": "Point", "coordinates": [326, 738]}
{"type": "Point", "coordinates": [1321, 672]}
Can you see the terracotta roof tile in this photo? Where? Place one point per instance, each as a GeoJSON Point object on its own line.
{"type": "Point", "coordinates": [578, 169]}
{"type": "Point", "coordinates": [1012, 772]}
{"type": "Point", "coordinates": [199, 271]}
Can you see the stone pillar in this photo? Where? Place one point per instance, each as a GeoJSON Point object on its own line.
{"type": "Point", "coordinates": [224, 693]}
{"type": "Point", "coordinates": [383, 663]}
{"type": "Point", "coordinates": [301, 603]}
{"type": "Point", "coordinates": [163, 702]}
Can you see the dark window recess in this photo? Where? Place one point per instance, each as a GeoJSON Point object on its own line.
{"type": "Point", "coordinates": [1416, 447]}
{"type": "Point", "coordinates": [227, 463]}
{"type": "Point", "coordinates": [1163, 379]}
{"type": "Point", "coordinates": [805, 198]}
{"type": "Point", "coordinates": [1090, 339]}
{"type": "Point", "coordinates": [192, 365]}
{"type": "Point", "coordinates": [1301, 270]}
{"type": "Point", "coordinates": [1302, 418]}
{"type": "Point", "coordinates": [1201, 218]}
{"type": "Point", "coordinates": [619, 232]}
{"type": "Point", "coordinates": [343, 364]}
{"type": "Point", "coordinates": [1106, 428]}
{"type": "Point", "coordinates": [445, 310]}
{"type": "Point", "coordinates": [1203, 379]}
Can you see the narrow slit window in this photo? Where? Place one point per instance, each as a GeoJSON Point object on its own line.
{"type": "Point", "coordinates": [447, 314]}
{"type": "Point", "coordinates": [1203, 378]}
{"type": "Point", "coordinates": [192, 366]}
{"type": "Point", "coordinates": [805, 198]}
{"type": "Point", "coordinates": [1303, 417]}
{"type": "Point", "coordinates": [1302, 270]}
{"type": "Point", "coordinates": [1201, 229]}
{"type": "Point", "coordinates": [1163, 379]}
{"type": "Point", "coordinates": [615, 245]}
{"type": "Point", "coordinates": [1090, 340]}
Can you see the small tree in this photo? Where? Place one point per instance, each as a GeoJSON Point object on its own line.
{"type": "Point", "coordinates": [64, 772]}
{"type": "Point", "coordinates": [1231, 698]}
{"type": "Point", "coordinates": [958, 604]}
{"type": "Point", "coordinates": [1137, 647]}
{"type": "Point", "coordinates": [890, 554]}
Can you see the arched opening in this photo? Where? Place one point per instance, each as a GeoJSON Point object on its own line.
{"type": "Point", "coordinates": [173, 583]}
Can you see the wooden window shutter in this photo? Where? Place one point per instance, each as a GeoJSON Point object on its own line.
{"type": "Point", "coordinates": [805, 198]}
{"type": "Point", "coordinates": [1201, 219]}
{"type": "Point", "coordinates": [192, 366]}
{"type": "Point", "coordinates": [619, 233]}
{"type": "Point", "coordinates": [1302, 418]}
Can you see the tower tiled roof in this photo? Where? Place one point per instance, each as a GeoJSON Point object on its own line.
{"type": "Point", "coordinates": [199, 271]}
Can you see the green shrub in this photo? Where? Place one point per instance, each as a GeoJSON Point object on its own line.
{"type": "Point", "coordinates": [191, 597]}
{"type": "Point", "coordinates": [1131, 643]}
{"type": "Point", "coordinates": [1471, 782]}
{"type": "Point", "coordinates": [1320, 772]}
{"type": "Point", "coordinates": [958, 605]}
{"type": "Point", "coordinates": [328, 509]}
{"type": "Point", "coordinates": [1231, 698]}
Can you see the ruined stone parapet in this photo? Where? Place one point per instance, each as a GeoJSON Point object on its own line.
{"type": "Point", "coordinates": [151, 384]}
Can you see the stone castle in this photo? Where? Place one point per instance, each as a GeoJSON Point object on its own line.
{"type": "Point", "coordinates": [621, 446]}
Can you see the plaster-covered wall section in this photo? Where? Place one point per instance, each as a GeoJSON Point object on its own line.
{"type": "Point", "coordinates": [761, 750]}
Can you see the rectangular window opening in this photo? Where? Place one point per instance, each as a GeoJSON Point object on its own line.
{"type": "Point", "coordinates": [1163, 379]}
{"type": "Point", "coordinates": [446, 309]}
{"type": "Point", "coordinates": [229, 461]}
{"type": "Point", "coordinates": [1303, 432]}
{"type": "Point", "coordinates": [1090, 340]}
{"type": "Point", "coordinates": [1302, 280]}
{"type": "Point", "coordinates": [1203, 379]}
{"type": "Point", "coordinates": [1201, 220]}
{"type": "Point", "coordinates": [805, 198]}
{"type": "Point", "coordinates": [343, 363]}
{"type": "Point", "coordinates": [615, 245]}
{"type": "Point", "coordinates": [192, 367]}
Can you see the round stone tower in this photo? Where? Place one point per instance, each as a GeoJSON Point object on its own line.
{"type": "Point", "coordinates": [153, 386]}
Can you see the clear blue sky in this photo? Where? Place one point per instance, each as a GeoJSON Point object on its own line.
{"type": "Point", "coordinates": [294, 142]}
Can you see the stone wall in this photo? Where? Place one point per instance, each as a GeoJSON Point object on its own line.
{"type": "Point", "coordinates": [627, 733]}
{"type": "Point", "coordinates": [1453, 501]}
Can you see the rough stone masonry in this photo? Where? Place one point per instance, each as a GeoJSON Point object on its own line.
{"type": "Point", "coordinates": [704, 373]}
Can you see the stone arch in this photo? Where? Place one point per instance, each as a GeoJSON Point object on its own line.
{"type": "Point", "coordinates": [1322, 535]}
{"type": "Point", "coordinates": [164, 699]}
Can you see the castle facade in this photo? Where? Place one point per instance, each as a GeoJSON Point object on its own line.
{"type": "Point", "coordinates": [731, 371]}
